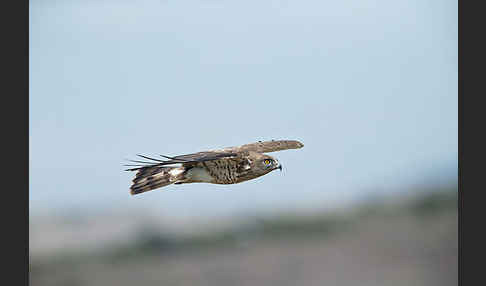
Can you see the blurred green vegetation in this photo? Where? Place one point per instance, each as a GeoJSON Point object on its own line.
{"type": "Point", "coordinates": [151, 242]}
{"type": "Point", "coordinates": [434, 203]}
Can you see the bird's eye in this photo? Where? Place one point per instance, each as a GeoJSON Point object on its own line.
{"type": "Point", "coordinates": [267, 162]}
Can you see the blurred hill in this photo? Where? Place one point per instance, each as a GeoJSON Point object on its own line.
{"type": "Point", "coordinates": [406, 241]}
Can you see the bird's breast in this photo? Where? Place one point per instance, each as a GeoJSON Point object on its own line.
{"type": "Point", "coordinates": [223, 171]}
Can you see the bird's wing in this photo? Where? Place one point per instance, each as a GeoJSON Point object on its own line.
{"type": "Point", "coordinates": [266, 146]}
{"type": "Point", "coordinates": [187, 159]}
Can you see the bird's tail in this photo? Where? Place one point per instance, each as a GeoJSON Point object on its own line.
{"type": "Point", "coordinates": [151, 178]}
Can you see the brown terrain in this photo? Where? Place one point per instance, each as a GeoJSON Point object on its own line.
{"type": "Point", "coordinates": [411, 244]}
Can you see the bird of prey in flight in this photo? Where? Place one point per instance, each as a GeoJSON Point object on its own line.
{"type": "Point", "coordinates": [229, 165]}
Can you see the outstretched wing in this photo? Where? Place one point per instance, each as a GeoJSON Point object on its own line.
{"type": "Point", "coordinates": [266, 146]}
{"type": "Point", "coordinates": [187, 159]}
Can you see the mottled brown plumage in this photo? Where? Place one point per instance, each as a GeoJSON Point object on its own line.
{"type": "Point", "coordinates": [229, 165]}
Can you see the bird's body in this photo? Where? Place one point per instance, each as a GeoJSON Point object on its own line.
{"type": "Point", "coordinates": [230, 165]}
{"type": "Point", "coordinates": [221, 171]}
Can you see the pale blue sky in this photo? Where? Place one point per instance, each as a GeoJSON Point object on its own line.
{"type": "Point", "coordinates": [370, 88]}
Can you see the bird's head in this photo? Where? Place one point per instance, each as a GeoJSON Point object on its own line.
{"type": "Point", "coordinates": [265, 164]}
